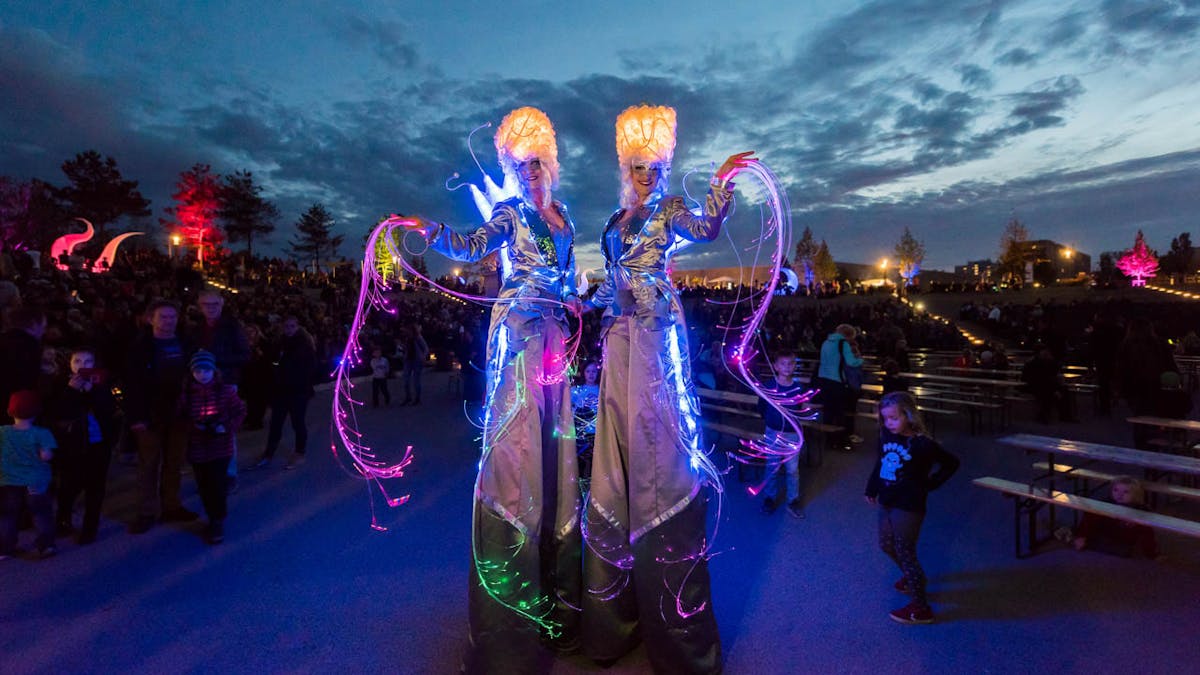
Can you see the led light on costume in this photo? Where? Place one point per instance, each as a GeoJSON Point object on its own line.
{"type": "Point", "coordinates": [524, 133]}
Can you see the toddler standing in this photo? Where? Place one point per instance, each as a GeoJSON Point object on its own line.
{"type": "Point", "coordinates": [214, 413]}
{"type": "Point", "coordinates": [903, 477]}
{"type": "Point", "coordinates": [25, 454]}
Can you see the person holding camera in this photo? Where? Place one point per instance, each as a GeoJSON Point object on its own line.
{"type": "Point", "coordinates": [213, 413]}
{"type": "Point", "coordinates": [82, 415]}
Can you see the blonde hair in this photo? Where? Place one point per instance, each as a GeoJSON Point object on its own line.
{"type": "Point", "coordinates": [645, 133]}
{"type": "Point", "coordinates": [907, 405]}
{"type": "Point", "coordinates": [1136, 491]}
{"type": "Point", "coordinates": [526, 134]}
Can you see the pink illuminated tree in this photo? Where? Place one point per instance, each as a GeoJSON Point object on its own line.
{"type": "Point", "coordinates": [1139, 262]}
{"type": "Point", "coordinates": [197, 203]}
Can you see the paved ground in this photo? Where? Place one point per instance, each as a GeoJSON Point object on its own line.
{"type": "Point", "coordinates": [303, 584]}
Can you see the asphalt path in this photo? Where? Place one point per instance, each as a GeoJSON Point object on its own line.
{"type": "Point", "coordinates": [303, 584]}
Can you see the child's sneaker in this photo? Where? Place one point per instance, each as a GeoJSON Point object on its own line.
{"type": "Point", "coordinates": [47, 551]}
{"type": "Point", "coordinates": [796, 508]}
{"type": "Point", "coordinates": [295, 461]}
{"type": "Point", "coordinates": [769, 506]}
{"type": "Point", "coordinates": [1063, 534]}
{"type": "Point", "coordinates": [902, 586]}
{"type": "Point", "coordinates": [912, 613]}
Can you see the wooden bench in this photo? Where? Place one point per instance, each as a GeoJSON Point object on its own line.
{"type": "Point", "coordinates": [748, 414]}
{"type": "Point", "coordinates": [1086, 474]}
{"type": "Point", "coordinates": [1028, 499]}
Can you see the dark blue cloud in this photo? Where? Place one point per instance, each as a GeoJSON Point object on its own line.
{"type": "Point", "coordinates": [1017, 57]}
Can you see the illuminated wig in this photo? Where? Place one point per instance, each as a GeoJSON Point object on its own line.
{"type": "Point", "coordinates": [525, 134]}
{"type": "Point", "coordinates": [645, 134]}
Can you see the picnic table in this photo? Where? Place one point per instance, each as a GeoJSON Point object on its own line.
{"type": "Point", "coordinates": [1178, 441]}
{"type": "Point", "coordinates": [1031, 496]}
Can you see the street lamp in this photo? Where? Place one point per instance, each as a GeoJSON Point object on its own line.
{"type": "Point", "coordinates": [175, 241]}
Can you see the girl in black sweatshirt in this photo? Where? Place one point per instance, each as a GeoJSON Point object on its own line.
{"type": "Point", "coordinates": [904, 475]}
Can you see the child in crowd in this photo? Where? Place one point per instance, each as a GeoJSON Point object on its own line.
{"type": "Point", "coordinates": [903, 477]}
{"type": "Point", "coordinates": [381, 369]}
{"type": "Point", "coordinates": [892, 381]}
{"type": "Point", "coordinates": [779, 434]}
{"type": "Point", "coordinates": [25, 454]}
{"type": "Point", "coordinates": [81, 413]}
{"type": "Point", "coordinates": [214, 413]}
{"type": "Point", "coordinates": [1110, 535]}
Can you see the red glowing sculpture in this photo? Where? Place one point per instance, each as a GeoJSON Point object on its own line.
{"type": "Point", "coordinates": [1138, 262]}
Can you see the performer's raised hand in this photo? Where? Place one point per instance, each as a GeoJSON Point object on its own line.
{"type": "Point", "coordinates": [413, 224]}
{"type": "Point", "coordinates": [734, 164]}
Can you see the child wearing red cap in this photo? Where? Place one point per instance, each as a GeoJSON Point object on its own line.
{"type": "Point", "coordinates": [25, 454]}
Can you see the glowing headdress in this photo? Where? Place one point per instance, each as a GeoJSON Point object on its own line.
{"type": "Point", "coordinates": [525, 134]}
{"type": "Point", "coordinates": [647, 134]}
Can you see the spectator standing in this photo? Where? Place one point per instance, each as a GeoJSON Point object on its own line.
{"type": "Point", "coordinates": [416, 352]}
{"type": "Point", "coordinates": [1141, 360]}
{"type": "Point", "coordinates": [1104, 344]}
{"type": "Point", "coordinates": [1043, 378]}
{"type": "Point", "coordinates": [291, 389]}
{"type": "Point", "coordinates": [255, 387]}
{"type": "Point", "coordinates": [25, 454]}
{"type": "Point", "coordinates": [213, 413]}
{"type": "Point", "coordinates": [21, 352]}
{"type": "Point", "coordinates": [834, 394]}
{"type": "Point", "coordinates": [381, 370]}
{"type": "Point", "coordinates": [82, 415]}
{"type": "Point", "coordinates": [155, 370]}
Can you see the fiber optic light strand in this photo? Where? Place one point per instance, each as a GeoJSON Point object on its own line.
{"type": "Point", "coordinates": [778, 227]}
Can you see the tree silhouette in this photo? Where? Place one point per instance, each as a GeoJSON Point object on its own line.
{"type": "Point", "coordinates": [1011, 264]}
{"type": "Point", "coordinates": [806, 254]}
{"type": "Point", "coordinates": [243, 210]}
{"type": "Point", "coordinates": [197, 201]}
{"type": "Point", "coordinates": [315, 235]}
{"type": "Point", "coordinates": [1178, 261]}
{"type": "Point", "coordinates": [910, 253]}
{"type": "Point", "coordinates": [98, 192]}
{"type": "Point", "coordinates": [824, 267]}
{"type": "Point", "coordinates": [1139, 262]}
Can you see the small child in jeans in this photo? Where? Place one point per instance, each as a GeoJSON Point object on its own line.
{"type": "Point", "coordinates": [779, 432]}
{"type": "Point", "coordinates": [214, 413]}
{"type": "Point", "coordinates": [25, 454]}
{"type": "Point", "coordinates": [903, 477]}
{"type": "Point", "coordinates": [381, 368]}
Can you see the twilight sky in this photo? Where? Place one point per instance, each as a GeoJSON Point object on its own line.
{"type": "Point", "coordinates": [1082, 118]}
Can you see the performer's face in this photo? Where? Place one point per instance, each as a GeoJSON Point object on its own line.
{"type": "Point", "coordinates": [645, 177]}
{"type": "Point", "coordinates": [530, 172]}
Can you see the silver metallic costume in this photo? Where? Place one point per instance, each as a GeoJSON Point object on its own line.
{"type": "Point", "coordinates": [525, 535]}
{"type": "Point", "coordinates": [645, 515]}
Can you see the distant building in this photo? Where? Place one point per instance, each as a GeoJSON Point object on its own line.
{"type": "Point", "coordinates": [977, 270]}
{"type": "Point", "coordinates": [1067, 263]}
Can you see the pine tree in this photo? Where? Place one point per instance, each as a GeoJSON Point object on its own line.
{"type": "Point", "coordinates": [315, 236]}
{"type": "Point", "coordinates": [243, 210]}
{"type": "Point", "coordinates": [98, 192]}
{"type": "Point", "coordinates": [1139, 262]}
{"type": "Point", "coordinates": [824, 267]}
{"type": "Point", "coordinates": [806, 253]}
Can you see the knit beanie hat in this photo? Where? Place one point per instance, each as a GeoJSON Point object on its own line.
{"type": "Point", "coordinates": [24, 404]}
{"type": "Point", "coordinates": [203, 359]}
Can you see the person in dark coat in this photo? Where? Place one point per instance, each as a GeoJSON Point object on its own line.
{"type": "Point", "coordinates": [155, 369]}
{"type": "Point", "coordinates": [291, 389]}
{"type": "Point", "coordinates": [82, 415]}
